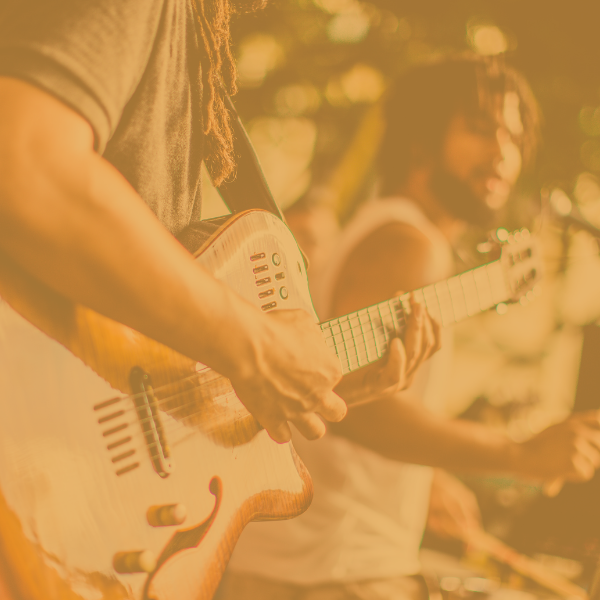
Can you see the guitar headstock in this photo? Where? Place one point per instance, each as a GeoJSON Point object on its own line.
{"type": "Point", "coordinates": [520, 261]}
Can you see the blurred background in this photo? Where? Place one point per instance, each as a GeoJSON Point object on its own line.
{"type": "Point", "coordinates": [311, 73]}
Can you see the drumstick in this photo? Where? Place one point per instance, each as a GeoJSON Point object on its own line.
{"type": "Point", "coordinates": [532, 569]}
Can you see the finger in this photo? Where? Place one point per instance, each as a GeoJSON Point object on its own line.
{"type": "Point", "coordinates": [391, 377]}
{"type": "Point", "coordinates": [591, 436]}
{"type": "Point", "coordinates": [437, 334]}
{"type": "Point", "coordinates": [583, 469]}
{"type": "Point", "coordinates": [413, 339]}
{"type": "Point", "coordinates": [591, 418]}
{"type": "Point", "coordinates": [310, 426]}
{"type": "Point", "coordinates": [590, 452]}
{"type": "Point", "coordinates": [279, 431]}
{"type": "Point", "coordinates": [428, 337]}
{"type": "Point", "coordinates": [394, 371]}
{"type": "Point", "coordinates": [331, 407]}
{"type": "Point", "coordinates": [552, 488]}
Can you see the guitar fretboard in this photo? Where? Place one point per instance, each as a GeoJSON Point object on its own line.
{"type": "Point", "coordinates": [362, 337]}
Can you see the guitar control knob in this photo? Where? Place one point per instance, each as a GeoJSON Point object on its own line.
{"type": "Point", "coordinates": [143, 561]}
{"type": "Point", "coordinates": [166, 514]}
{"type": "Point", "coordinates": [276, 259]}
{"type": "Point", "coordinates": [283, 292]}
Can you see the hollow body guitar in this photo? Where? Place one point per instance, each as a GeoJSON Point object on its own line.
{"type": "Point", "coordinates": [128, 470]}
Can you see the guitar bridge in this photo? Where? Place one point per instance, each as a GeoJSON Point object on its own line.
{"type": "Point", "coordinates": [147, 411]}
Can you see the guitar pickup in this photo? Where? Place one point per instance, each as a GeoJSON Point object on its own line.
{"type": "Point", "coordinates": [260, 269]}
{"type": "Point", "coordinates": [263, 281]}
{"type": "Point", "coordinates": [146, 406]}
{"type": "Point", "coordinates": [269, 306]}
{"type": "Point", "coordinates": [257, 256]}
{"type": "Point", "coordinates": [267, 293]}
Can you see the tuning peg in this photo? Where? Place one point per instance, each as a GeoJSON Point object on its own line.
{"type": "Point", "coordinates": [166, 514]}
{"type": "Point", "coordinates": [500, 235]}
{"type": "Point", "coordinates": [502, 308]}
{"type": "Point", "coordinates": [143, 561]}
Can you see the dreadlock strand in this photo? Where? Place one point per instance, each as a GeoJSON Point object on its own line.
{"type": "Point", "coordinates": [218, 71]}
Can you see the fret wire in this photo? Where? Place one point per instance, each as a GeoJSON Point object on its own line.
{"type": "Point", "coordinates": [387, 306]}
{"type": "Point", "coordinates": [341, 334]}
{"type": "Point", "coordinates": [489, 279]}
{"type": "Point", "coordinates": [472, 299]}
{"type": "Point", "coordinates": [362, 334]}
{"type": "Point", "coordinates": [457, 296]}
{"type": "Point", "coordinates": [406, 307]}
{"type": "Point", "coordinates": [443, 288]}
{"type": "Point", "coordinates": [400, 314]}
{"type": "Point", "coordinates": [365, 327]}
{"type": "Point", "coordinates": [359, 339]}
{"type": "Point", "coordinates": [385, 337]}
{"type": "Point", "coordinates": [326, 327]}
{"type": "Point", "coordinates": [421, 292]}
{"type": "Point", "coordinates": [483, 296]}
{"type": "Point", "coordinates": [345, 344]}
{"type": "Point", "coordinates": [337, 352]}
{"type": "Point", "coordinates": [439, 301]}
{"type": "Point", "coordinates": [354, 341]}
{"type": "Point", "coordinates": [394, 316]}
{"type": "Point", "coordinates": [374, 336]}
{"type": "Point", "coordinates": [464, 294]}
{"type": "Point", "coordinates": [429, 305]}
{"type": "Point", "coordinates": [477, 290]}
{"type": "Point", "coordinates": [377, 327]}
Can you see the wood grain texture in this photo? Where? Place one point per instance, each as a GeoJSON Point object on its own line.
{"type": "Point", "coordinates": [64, 512]}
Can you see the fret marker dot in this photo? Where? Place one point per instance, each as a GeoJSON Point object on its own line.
{"type": "Point", "coordinates": [502, 308]}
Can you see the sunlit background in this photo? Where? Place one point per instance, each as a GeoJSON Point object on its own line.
{"type": "Point", "coordinates": [310, 75]}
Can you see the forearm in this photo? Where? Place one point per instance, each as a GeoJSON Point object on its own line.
{"type": "Point", "coordinates": [81, 229]}
{"type": "Point", "coordinates": [403, 430]}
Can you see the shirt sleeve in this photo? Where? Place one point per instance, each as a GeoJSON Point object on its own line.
{"type": "Point", "coordinates": [90, 54]}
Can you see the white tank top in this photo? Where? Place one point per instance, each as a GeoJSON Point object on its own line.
{"type": "Point", "coordinates": [368, 513]}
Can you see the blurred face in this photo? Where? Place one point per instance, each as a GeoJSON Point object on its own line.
{"type": "Point", "coordinates": [478, 166]}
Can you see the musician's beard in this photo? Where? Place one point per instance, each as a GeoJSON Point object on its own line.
{"type": "Point", "coordinates": [459, 200]}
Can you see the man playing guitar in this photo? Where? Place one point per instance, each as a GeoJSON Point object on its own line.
{"type": "Point", "coordinates": [106, 110]}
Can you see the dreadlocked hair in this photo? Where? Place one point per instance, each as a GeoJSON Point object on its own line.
{"type": "Point", "coordinates": [218, 78]}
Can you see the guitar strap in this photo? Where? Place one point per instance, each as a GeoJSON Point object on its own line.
{"type": "Point", "coordinates": [249, 189]}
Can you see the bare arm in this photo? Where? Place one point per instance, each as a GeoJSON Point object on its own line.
{"type": "Point", "coordinates": [69, 218]}
{"type": "Point", "coordinates": [397, 257]}
{"type": "Point", "coordinates": [401, 429]}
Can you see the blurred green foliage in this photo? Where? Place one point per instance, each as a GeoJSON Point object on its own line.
{"type": "Point", "coordinates": [326, 60]}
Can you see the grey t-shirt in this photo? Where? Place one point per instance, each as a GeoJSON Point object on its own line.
{"type": "Point", "coordinates": [132, 69]}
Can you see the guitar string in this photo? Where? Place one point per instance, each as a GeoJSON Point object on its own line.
{"type": "Point", "coordinates": [170, 428]}
{"type": "Point", "coordinates": [343, 354]}
{"type": "Point", "coordinates": [326, 327]}
{"type": "Point", "coordinates": [198, 375]}
{"type": "Point", "coordinates": [394, 308]}
{"type": "Point", "coordinates": [174, 427]}
{"type": "Point", "coordinates": [370, 344]}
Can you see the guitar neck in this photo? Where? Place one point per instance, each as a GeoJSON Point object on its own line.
{"type": "Point", "coordinates": [362, 337]}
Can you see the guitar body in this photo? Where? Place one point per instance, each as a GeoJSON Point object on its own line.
{"type": "Point", "coordinates": [112, 488]}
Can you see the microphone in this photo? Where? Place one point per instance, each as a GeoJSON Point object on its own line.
{"type": "Point", "coordinates": [569, 213]}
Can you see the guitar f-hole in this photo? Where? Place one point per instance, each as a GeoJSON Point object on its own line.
{"type": "Point", "coordinates": [187, 538]}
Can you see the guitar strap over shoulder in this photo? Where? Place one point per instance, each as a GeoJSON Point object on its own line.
{"type": "Point", "coordinates": [249, 188]}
